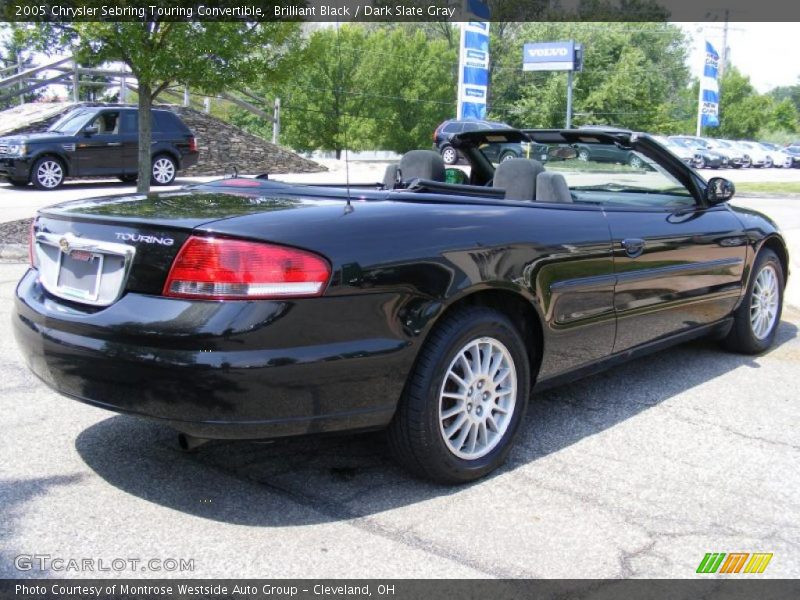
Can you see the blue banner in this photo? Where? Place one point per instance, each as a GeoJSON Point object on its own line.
{"type": "Point", "coordinates": [709, 89]}
{"type": "Point", "coordinates": [473, 67]}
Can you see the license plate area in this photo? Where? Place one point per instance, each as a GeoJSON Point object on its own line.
{"type": "Point", "coordinates": [81, 270]}
{"type": "Point", "coordinates": [80, 274]}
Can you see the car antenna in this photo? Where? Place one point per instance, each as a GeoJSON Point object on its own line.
{"type": "Point", "coordinates": [349, 207]}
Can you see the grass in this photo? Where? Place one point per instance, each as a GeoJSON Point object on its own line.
{"type": "Point", "coordinates": [771, 187]}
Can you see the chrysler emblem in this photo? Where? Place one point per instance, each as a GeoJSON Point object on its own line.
{"type": "Point", "coordinates": [63, 243]}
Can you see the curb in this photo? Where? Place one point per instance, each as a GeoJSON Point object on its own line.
{"type": "Point", "coordinates": [14, 252]}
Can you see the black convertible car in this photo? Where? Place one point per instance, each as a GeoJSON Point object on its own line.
{"type": "Point", "coordinates": [250, 308]}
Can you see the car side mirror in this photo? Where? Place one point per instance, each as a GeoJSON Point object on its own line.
{"type": "Point", "coordinates": [90, 130]}
{"type": "Point", "coordinates": [719, 190]}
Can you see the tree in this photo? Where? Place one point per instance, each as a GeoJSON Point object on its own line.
{"type": "Point", "coordinates": [742, 111]}
{"type": "Point", "coordinates": [209, 56]}
{"type": "Point", "coordinates": [410, 81]}
{"type": "Point", "coordinates": [13, 55]}
{"type": "Point", "coordinates": [634, 75]}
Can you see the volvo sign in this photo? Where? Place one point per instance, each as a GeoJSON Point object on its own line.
{"type": "Point", "coordinates": [549, 56]}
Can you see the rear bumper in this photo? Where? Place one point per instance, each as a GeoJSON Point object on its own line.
{"type": "Point", "coordinates": [219, 370]}
{"type": "Point", "coordinates": [189, 159]}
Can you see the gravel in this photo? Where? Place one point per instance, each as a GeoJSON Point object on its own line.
{"type": "Point", "coordinates": [15, 232]}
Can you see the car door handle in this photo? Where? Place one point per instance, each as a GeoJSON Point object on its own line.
{"type": "Point", "coordinates": [633, 246]}
{"type": "Point", "coordinates": [114, 144]}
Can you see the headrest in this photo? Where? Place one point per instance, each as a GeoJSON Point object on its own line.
{"type": "Point", "coordinates": [422, 164]}
{"type": "Point", "coordinates": [517, 177]}
{"type": "Point", "coordinates": [552, 187]}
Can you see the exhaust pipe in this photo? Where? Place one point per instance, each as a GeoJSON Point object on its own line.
{"type": "Point", "coordinates": [189, 443]}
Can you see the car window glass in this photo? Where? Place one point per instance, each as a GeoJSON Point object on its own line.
{"type": "Point", "coordinates": [129, 122]}
{"type": "Point", "coordinates": [615, 176]}
{"type": "Point", "coordinates": [106, 122]}
{"type": "Point", "coordinates": [450, 128]}
{"type": "Point", "coordinates": [472, 126]}
{"type": "Point", "coordinates": [71, 122]}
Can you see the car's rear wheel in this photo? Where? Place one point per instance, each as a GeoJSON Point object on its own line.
{"type": "Point", "coordinates": [164, 170]}
{"type": "Point", "coordinates": [48, 173]}
{"type": "Point", "coordinates": [449, 155]}
{"type": "Point", "coordinates": [757, 318]}
{"type": "Point", "coordinates": [635, 162]}
{"type": "Point", "coordinates": [465, 398]}
{"type": "Point", "coordinates": [128, 178]}
{"type": "Point", "coordinates": [583, 154]}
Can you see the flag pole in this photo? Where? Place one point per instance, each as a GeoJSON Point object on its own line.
{"type": "Point", "coordinates": [699, 129]}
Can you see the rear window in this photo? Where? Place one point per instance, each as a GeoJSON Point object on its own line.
{"type": "Point", "coordinates": [452, 127]}
{"type": "Point", "coordinates": [168, 122]}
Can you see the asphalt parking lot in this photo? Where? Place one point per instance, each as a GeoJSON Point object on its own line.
{"type": "Point", "coordinates": [637, 472]}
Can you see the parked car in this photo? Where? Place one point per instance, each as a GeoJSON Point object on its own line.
{"type": "Point", "coordinates": [704, 157]}
{"type": "Point", "coordinates": [608, 154]}
{"type": "Point", "coordinates": [250, 308]}
{"type": "Point", "coordinates": [794, 154]}
{"type": "Point", "coordinates": [447, 129]}
{"type": "Point", "coordinates": [97, 141]}
{"type": "Point", "coordinates": [685, 153]}
{"type": "Point", "coordinates": [776, 155]}
{"type": "Point", "coordinates": [735, 155]}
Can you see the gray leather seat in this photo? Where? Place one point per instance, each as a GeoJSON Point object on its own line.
{"type": "Point", "coordinates": [552, 187]}
{"type": "Point", "coordinates": [518, 178]}
{"type": "Point", "coordinates": [416, 164]}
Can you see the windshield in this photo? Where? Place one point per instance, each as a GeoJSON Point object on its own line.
{"type": "Point", "coordinates": [71, 122]}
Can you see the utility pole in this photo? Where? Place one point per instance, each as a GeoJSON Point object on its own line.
{"type": "Point", "coordinates": [21, 87]}
{"type": "Point", "coordinates": [724, 56]}
{"type": "Point", "coordinates": [569, 100]}
{"type": "Point", "coordinates": [76, 96]}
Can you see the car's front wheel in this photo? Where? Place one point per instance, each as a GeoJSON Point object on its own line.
{"type": "Point", "coordinates": [164, 170]}
{"type": "Point", "coordinates": [48, 173]}
{"type": "Point", "coordinates": [756, 320]}
{"type": "Point", "coordinates": [465, 398]}
{"type": "Point", "coordinates": [449, 155]}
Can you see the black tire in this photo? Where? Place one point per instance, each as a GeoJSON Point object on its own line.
{"type": "Point", "coordinates": [742, 337]}
{"type": "Point", "coordinates": [18, 182]}
{"type": "Point", "coordinates": [415, 437]}
{"type": "Point", "coordinates": [508, 156]}
{"type": "Point", "coordinates": [48, 173]}
{"type": "Point", "coordinates": [128, 178]}
{"type": "Point", "coordinates": [700, 163]}
{"type": "Point", "coordinates": [768, 163]}
{"type": "Point", "coordinates": [449, 154]}
{"type": "Point", "coordinates": [583, 154]}
{"type": "Point", "coordinates": [163, 170]}
{"type": "Point", "coordinates": [635, 162]}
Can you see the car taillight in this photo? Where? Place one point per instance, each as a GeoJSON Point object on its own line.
{"type": "Point", "coordinates": [192, 144]}
{"type": "Point", "coordinates": [227, 269]}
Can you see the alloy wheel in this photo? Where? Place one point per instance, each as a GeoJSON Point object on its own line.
{"type": "Point", "coordinates": [163, 170]}
{"type": "Point", "coordinates": [764, 302]}
{"type": "Point", "coordinates": [477, 398]}
{"type": "Point", "coordinates": [50, 174]}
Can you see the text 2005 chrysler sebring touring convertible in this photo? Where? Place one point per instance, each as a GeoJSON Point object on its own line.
{"type": "Point", "coordinates": [431, 304]}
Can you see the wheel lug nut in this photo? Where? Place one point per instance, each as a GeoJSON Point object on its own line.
{"type": "Point", "coordinates": [469, 407]}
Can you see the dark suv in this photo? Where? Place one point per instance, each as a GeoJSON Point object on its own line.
{"type": "Point", "coordinates": [97, 141]}
{"type": "Point", "coordinates": [447, 129]}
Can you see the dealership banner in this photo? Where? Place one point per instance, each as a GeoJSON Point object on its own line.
{"type": "Point", "coordinates": [473, 64]}
{"type": "Point", "coordinates": [709, 96]}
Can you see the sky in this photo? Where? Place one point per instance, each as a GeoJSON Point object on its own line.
{"type": "Point", "coordinates": [766, 52]}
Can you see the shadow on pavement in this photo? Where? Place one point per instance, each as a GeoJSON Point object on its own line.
{"type": "Point", "coordinates": [14, 494]}
{"type": "Point", "coordinates": [311, 480]}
